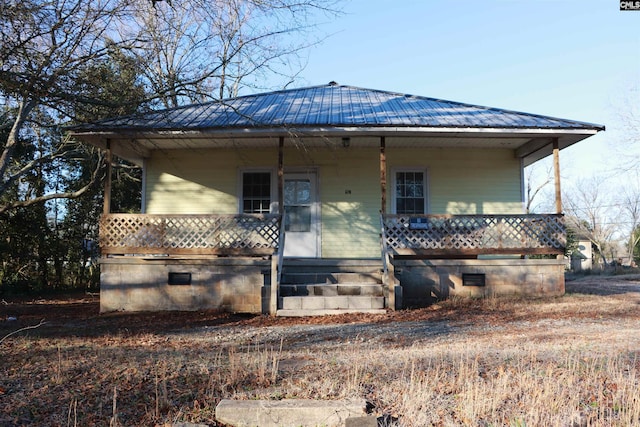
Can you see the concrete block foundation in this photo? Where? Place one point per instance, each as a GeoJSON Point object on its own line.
{"type": "Point", "coordinates": [130, 283]}
{"type": "Point", "coordinates": [424, 281]}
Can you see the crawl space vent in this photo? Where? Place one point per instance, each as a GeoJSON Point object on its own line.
{"type": "Point", "coordinates": [179, 278]}
{"type": "Point", "coordinates": [473, 279]}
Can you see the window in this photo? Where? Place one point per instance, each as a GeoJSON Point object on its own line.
{"type": "Point", "coordinates": [410, 192]}
{"type": "Point", "coordinates": [297, 205]}
{"type": "Point", "coordinates": [256, 192]}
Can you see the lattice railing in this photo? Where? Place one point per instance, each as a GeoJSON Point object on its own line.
{"type": "Point", "coordinates": [189, 234]}
{"type": "Point", "coordinates": [452, 235]}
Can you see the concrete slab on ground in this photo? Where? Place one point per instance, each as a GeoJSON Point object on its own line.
{"type": "Point", "coordinates": [367, 421]}
{"type": "Point", "coordinates": [289, 412]}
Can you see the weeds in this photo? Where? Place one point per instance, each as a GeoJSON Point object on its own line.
{"type": "Point", "coordinates": [483, 371]}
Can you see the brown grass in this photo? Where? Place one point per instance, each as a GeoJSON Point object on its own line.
{"type": "Point", "coordinates": [569, 361]}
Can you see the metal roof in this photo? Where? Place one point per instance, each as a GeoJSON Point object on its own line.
{"type": "Point", "coordinates": [330, 106]}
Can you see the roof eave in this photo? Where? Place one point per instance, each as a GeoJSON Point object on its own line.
{"type": "Point", "coordinates": [330, 130]}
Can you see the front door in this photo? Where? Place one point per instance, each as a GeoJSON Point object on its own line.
{"type": "Point", "coordinates": [301, 215]}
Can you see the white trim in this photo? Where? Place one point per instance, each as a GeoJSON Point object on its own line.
{"type": "Point", "coordinates": [425, 171]}
{"type": "Point", "coordinates": [320, 130]}
{"type": "Point", "coordinates": [273, 203]}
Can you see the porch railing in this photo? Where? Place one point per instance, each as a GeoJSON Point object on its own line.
{"type": "Point", "coordinates": [246, 234]}
{"type": "Point", "coordinates": [469, 235]}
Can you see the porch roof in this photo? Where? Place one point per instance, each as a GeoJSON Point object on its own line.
{"type": "Point", "coordinates": [336, 110]}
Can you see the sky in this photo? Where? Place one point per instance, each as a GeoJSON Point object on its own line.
{"type": "Point", "coordinates": [574, 59]}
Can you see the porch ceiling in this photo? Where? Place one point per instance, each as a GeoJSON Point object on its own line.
{"type": "Point", "coordinates": [530, 145]}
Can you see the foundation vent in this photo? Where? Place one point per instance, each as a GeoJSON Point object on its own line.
{"type": "Point", "coordinates": [179, 278]}
{"type": "Point", "coordinates": [473, 279]}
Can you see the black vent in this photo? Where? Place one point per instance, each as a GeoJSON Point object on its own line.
{"type": "Point", "coordinates": [473, 279]}
{"type": "Point", "coordinates": [179, 278]}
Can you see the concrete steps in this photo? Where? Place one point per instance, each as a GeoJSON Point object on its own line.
{"type": "Point", "coordinates": [315, 290]}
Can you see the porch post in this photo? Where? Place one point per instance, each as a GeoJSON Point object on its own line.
{"type": "Point", "coordinates": [383, 175]}
{"type": "Point", "coordinates": [281, 176]}
{"type": "Point", "coordinates": [276, 261]}
{"type": "Point", "coordinates": [106, 206]}
{"type": "Point", "coordinates": [388, 277]}
{"type": "Point", "coordinates": [556, 169]}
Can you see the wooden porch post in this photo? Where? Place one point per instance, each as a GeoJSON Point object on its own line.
{"type": "Point", "coordinates": [383, 175]}
{"type": "Point", "coordinates": [556, 169]}
{"type": "Point", "coordinates": [389, 277]}
{"type": "Point", "coordinates": [106, 206]}
{"type": "Point", "coordinates": [281, 176]}
{"type": "Point", "coordinates": [276, 260]}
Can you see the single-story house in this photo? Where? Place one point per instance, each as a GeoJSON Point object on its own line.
{"type": "Point", "coordinates": [329, 199]}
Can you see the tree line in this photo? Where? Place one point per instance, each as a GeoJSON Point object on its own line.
{"type": "Point", "coordinates": [64, 62]}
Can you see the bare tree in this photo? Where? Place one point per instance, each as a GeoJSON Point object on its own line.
{"type": "Point", "coordinates": [186, 51]}
{"type": "Point", "coordinates": [44, 47]}
{"type": "Point", "coordinates": [629, 203]}
{"type": "Point", "coordinates": [588, 207]}
{"type": "Point", "coordinates": [625, 131]}
{"type": "Point", "coordinates": [210, 49]}
{"type": "Point", "coordinates": [537, 177]}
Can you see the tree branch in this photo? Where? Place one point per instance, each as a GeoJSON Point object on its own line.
{"type": "Point", "coordinates": [26, 328]}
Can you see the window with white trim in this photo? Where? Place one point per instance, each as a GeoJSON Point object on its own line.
{"type": "Point", "coordinates": [256, 192]}
{"type": "Point", "coordinates": [410, 192]}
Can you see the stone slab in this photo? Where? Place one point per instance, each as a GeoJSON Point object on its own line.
{"type": "Point", "coordinates": [306, 313]}
{"type": "Point", "coordinates": [289, 412]}
{"type": "Point", "coordinates": [368, 421]}
{"type": "Point", "coordinates": [188, 425]}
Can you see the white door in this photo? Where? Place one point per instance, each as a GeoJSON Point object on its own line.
{"type": "Point", "coordinates": [301, 215]}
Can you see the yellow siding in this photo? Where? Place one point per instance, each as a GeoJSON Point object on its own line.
{"type": "Point", "coordinates": [466, 181]}
{"type": "Point", "coordinates": [350, 194]}
{"type": "Point", "coordinates": [470, 181]}
{"type": "Point", "coordinates": [191, 182]}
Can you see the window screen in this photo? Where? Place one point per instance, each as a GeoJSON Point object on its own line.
{"type": "Point", "coordinates": [256, 192]}
{"type": "Point", "coordinates": [410, 192]}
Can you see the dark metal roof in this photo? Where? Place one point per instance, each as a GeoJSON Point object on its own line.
{"type": "Point", "coordinates": [332, 105]}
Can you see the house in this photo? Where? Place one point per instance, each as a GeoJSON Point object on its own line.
{"type": "Point", "coordinates": [328, 199]}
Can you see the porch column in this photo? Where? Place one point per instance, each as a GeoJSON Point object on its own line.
{"type": "Point", "coordinates": [389, 276]}
{"type": "Point", "coordinates": [383, 175]}
{"type": "Point", "coordinates": [276, 261]}
{"type": "Point", "coordinates": [281, 176]}
{"type": "Point", "coordinates": [106, 206]}
{"type": "Point", "coordinates": [556, 169]}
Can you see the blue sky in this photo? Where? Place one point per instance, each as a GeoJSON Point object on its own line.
{"type": "Point", "coordinates": [567, 58]}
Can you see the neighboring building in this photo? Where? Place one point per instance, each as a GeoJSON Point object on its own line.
{"type": "Point", "coordinates": [389, 201]}
{"type": "Point", "coordinates": [582, 256]}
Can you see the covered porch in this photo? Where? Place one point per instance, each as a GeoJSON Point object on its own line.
{"type": "Point", "coordinates": [238, 261]}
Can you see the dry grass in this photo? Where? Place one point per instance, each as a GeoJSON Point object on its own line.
{"type": "Point", "coordinates": [570, 361]}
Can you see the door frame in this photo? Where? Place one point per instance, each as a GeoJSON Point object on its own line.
{"type": "Point", "coordinates": [316, 214]}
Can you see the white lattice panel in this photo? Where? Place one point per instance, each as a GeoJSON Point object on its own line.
{"type": "Point", "coordinates": [124, 233]}
{"type": "Point", "coordinates": [476, 233]}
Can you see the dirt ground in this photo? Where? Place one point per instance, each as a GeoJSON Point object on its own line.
{"type": "Point", "coordinates": [78, 314]}
{"type": "Point", "coordinates": [56, 349]}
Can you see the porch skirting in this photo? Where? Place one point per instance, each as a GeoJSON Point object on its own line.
{"type": "Point", "coordinates": [424, 281]}
{"type": "Point", "coordinates": [137, 283]}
